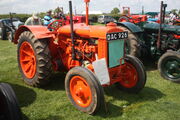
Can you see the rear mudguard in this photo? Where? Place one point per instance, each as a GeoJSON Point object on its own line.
{"type": "Point", "coordinates": [131, 26]}
{"type": "Point", "coordinates": [39, 32]}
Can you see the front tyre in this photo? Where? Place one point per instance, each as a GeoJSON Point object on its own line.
{"type": "Point", "coordinates": [133, 75]}
{"type": "Point", "coordinates": [84, 90]}
{"type": "Point", "coordinates": [34, 60]}
{"type": "Point", "coordinates": [169, 66]}
{"type": "Point", "coordinates": [9, 109]}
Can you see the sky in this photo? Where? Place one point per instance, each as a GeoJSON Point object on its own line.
{"type": "Point", "coordinates": [35, 6]}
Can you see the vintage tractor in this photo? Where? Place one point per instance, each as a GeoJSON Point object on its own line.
{"type": "Point", "coordinates": [158, 40]}
{"type": "Point", "coordinates": [127, 17]}
{"type": "Point", "coordinates": [8, 26]}
{"type": "Point", "coordinates": [93, 56]}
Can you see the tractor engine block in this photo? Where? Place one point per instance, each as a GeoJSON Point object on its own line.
{"type": "Point", "coordinates": [85, 50]}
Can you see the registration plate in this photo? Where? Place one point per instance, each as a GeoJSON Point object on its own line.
{"type": "Point", "coordinates": [116, 36]}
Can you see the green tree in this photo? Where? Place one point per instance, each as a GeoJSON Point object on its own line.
{"type": "Point", "coordinates": [115, 11]}
{"type": "Point", "coordinates": [174, 11]}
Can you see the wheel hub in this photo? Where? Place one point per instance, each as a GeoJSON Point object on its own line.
{"type": "Point", "coordinates": [129, 75]}
{"type": "Point", "coordinates": [80, 91]}
{"type": "Point", "coordinates": [172, 68]}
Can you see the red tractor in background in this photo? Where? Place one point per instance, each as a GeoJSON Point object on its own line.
{"type": "Point", "coordinates": [76, 19]}
{"type": "Point", "coordinates": [176, 22]}
{"type": "Point", "coordinates": [92, 56]}
{"type": "Point", "coordinates": [127, 17]}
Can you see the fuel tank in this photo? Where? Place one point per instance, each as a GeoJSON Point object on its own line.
{"type": "Point", "coordinates": [90, 31]}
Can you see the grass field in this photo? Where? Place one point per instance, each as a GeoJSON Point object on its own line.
{"type": "Point", "coordinates": [159, 100]}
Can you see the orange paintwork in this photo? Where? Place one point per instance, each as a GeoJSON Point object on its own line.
{"type": "Point", "coordinates": [177, 36]}
{"type": "Point", "coordinates": [82, 30]}
{"type": "Point", "coordinates": [38, 31]}
{"type": "Point", "coordinates": [86, 1]}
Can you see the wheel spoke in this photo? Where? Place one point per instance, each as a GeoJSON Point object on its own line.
{"type": "Point", "coordinates": [26, 60]}
{"type": "Point", "coordinates": [32, 70]}
{"type": "Point", "coordinates": [28, 66]}
{"type": "Point", "coordinates": [27, 53]}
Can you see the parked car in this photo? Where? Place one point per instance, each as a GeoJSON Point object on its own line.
{"type": "Point", "coordinates": [8, 27]}
{"type": "Point", "coordinates": [105, 19]}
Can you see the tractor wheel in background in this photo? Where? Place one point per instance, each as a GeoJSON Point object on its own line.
{"type": "Point", "coordinates": [34, 59]}
{"type": "Point", "coordinates": [9, 109]}
{"type": "Point", "coordinates": [133, 75]}
{"type": "Point", "coordinates": [169, 66]}
{"type": "Point", "coordinates": [131, 43]}
{"type": "Point", "coordinates": [123, 19]}
{"type": "Point", "coordinates": [3, 33]}
{"type": "Point", "coordinates": [84, 90]}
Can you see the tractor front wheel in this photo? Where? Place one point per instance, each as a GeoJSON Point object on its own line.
{"type": "Point", "coordinates": [34, 59]}
{"type": "Point", "coordinates": [133, 75]}
{"type": "Point", "coordinates": [169, 66]}
{"type": "Point", "coordinates": [9, 109]}
{"type": "Point", "coordinates": [84, 90]}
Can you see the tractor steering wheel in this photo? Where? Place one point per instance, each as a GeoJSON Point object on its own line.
{"type": "Point", "coordinates": [56, 24]}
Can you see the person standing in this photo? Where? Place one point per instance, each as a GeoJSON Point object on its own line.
{"type": "Point", "coordinates": [33, 20]}
{"type": "Point", "coordinates": [47, 18]}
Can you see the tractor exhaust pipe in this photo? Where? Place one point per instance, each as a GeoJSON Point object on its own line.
{"type": "Point", "coordinates": [72, 29]}
{"type": "Point", "coordinates": [87, 11]}
{"type": "Point", "coordinates": [162, 17]}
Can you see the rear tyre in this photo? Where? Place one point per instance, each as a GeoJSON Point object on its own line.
{"type": "Point", "coordinates": [169, 66]}
{"type": "Point", "coordinates": [131, 43]}
{"type": "Point", "coordinates": [9, 109]}
{"type": "Point", "coordinates": [34, 60]}
{"type": "Point", "coordinates": [133, 75]}
{"type": "Point", "coordinates": [84, 90]}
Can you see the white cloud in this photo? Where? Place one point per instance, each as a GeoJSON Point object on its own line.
{"type": "Point", "coordinates": [30, 6]}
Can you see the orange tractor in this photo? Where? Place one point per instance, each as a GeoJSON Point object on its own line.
{"type": "Point", "coordinates": [93, 57]}
{"type": "Point", "coordinates": [127, 17]}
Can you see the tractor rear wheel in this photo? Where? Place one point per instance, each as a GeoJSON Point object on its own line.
{"type": "Point", "coordinates": [133, 75]}
{"type": "Point", "coordinates": [169, 66]}
{"type": "Point", "coordinates": [84, 90]}
{"type": "Point", "coordinates": [9, 109]}
{"type": "Point", "coordinates": [34, 60]}
{"type": "Point", "coordinates": [131, 43]}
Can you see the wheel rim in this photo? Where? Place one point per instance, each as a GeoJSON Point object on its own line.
{"type": "Point", "coordinates": [80, 91]}
{"type": "Point", "coordinates": [129, 75]}
{"type": "Point", "coordinates": [27, 60]}
{"type": "Point", "coordinates": [171, 68]}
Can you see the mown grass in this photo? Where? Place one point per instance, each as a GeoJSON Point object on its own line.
{"type": "Point", "coordinates": [159, 100]}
